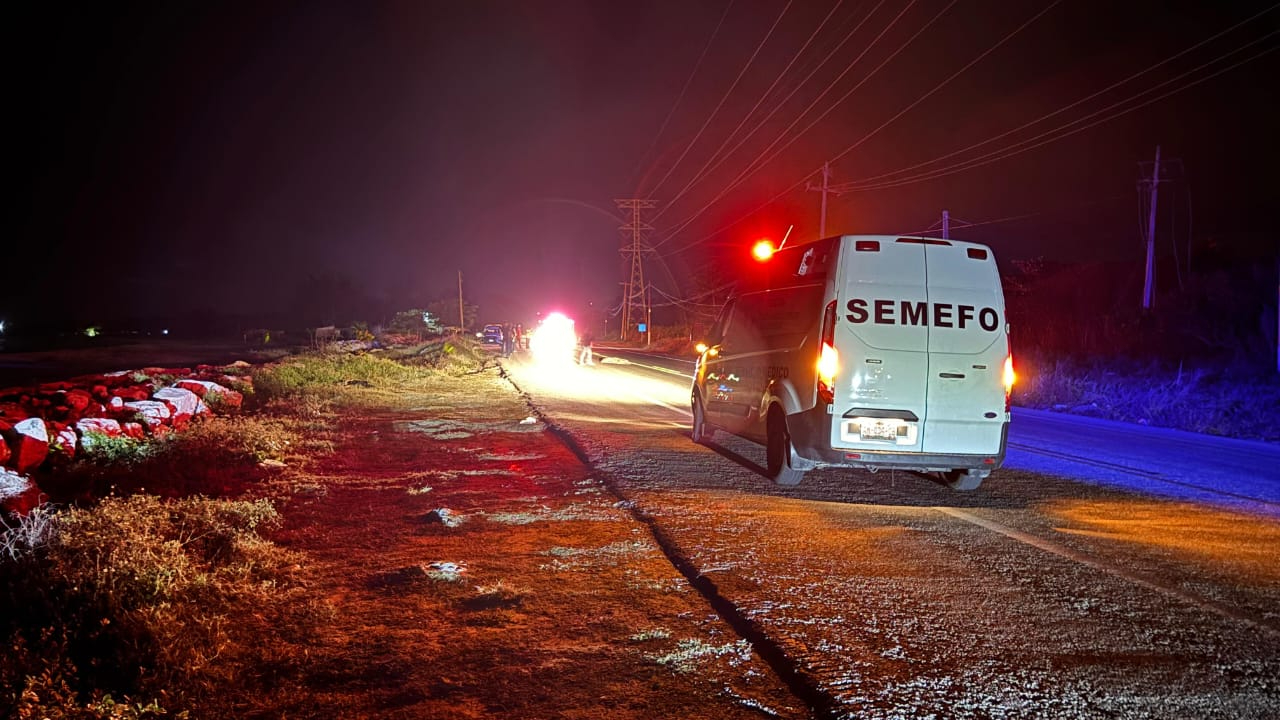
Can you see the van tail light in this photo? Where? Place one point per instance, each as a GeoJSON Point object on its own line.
{"type": "Point", "coordinates": [828, 358]}
{"type": "Point", "coordinates": [1009, 377]}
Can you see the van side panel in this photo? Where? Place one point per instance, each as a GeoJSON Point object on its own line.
{"type": "Point", "coordinates": [769, 339]}
{"type": "Point", "coordinates": [967, 348]}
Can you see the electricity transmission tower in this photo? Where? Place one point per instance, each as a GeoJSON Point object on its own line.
{"type": "Point", "coordinates": [635, 301]}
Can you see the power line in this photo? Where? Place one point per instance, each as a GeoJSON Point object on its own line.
{"type": "Point", "coordinates": [1014, 149]}
{"type": "Point", "coordinates": [853, 184]}
{"type": "Point", "coordinates": [755, 165]}
{"type": "Point", "coordinates": [949, 78]}
{"type": "Point", "coordinates": [746, 116]}
{"type": "Point", "coordinates": [900, 113]}
{"type": "Point", "coordinates": [868, 183]}
{"type": "Point", "coordinates": [1009, 152]}
{"type": "Point", "coordinates": [688, 81]}
{"type": "Point", "coordinates": [726, 95]}
{"type": "Point", "coordinates": [963, 224]}
{"type": "Point", "coordinates": [781, 103]}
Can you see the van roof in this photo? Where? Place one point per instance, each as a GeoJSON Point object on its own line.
{"type": "Point", "coordinates": [811, 260]}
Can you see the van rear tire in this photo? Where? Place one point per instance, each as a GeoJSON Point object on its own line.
{"type": "Point", "coordinates": [701, 431]}
{"type": "Point", "coordinates": [961, 479]}
{"type": "Point", "coordinates": [778, 451]}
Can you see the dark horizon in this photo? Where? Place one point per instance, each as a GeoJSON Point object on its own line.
{"type": "Point", "coordinates": [178, 160]}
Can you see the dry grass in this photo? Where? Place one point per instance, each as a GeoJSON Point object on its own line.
{"type": "Point", "coordinates": [334, 376]}
{"type": "Point", "coordinates": [159, 604]}
{"type": "Point", "coordinates": [218, 456]}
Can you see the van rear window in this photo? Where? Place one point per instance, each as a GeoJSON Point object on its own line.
{"type": "Point", "coordinates": [775, 318]}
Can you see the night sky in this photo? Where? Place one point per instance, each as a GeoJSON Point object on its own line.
{"type": "Point", "coordinates": [232, 158]}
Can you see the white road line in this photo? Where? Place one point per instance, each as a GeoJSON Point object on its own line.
{"type": "Point", "coordinates": [656, 368]}
{"type": "Point", "coordinates": [1065, 552]}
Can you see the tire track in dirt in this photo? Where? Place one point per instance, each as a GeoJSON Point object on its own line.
{"type": "Point", "coordinates": [801, 683]}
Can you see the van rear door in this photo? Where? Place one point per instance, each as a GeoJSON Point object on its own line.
{"type": "Point", "coordinates": [967, 348]}
{"type": "Point", "coordinates": [882, 342]}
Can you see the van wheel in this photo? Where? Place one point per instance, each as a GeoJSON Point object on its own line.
{"type": "Point", "coordinates": [960, 479]}
{"type": "Point", "coordinates": [778, 451]}
{"type": "Point", "coordinates": [702, 432]}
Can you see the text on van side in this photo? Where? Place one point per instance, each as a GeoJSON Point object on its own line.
{"type": "Point", "coordinates": [918, 312]}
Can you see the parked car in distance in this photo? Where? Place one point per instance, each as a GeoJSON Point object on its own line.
{"type": "Point", "coordinates": [491, 334]}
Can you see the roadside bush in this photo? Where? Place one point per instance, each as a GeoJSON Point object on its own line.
{"type": "Point", "coordinates": [130, 599]}
{"type": "Point", "coordinates": [673, 340]}
{"type": "Point", "coordinates": [217, 456]}
{"type": "Point", "coordinates": [454, 356]}
{"type": "Point", "coordinates": [1230, 402]}
{"type": "Point", "coordinates": [313, 373]}
{"type": "Point", "coordinates": [115, 450]}
{"type": "Point", "coordinates": [247, 440]}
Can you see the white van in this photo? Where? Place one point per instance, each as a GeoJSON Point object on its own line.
{"type": "Point", "coordinates": [864, 351]}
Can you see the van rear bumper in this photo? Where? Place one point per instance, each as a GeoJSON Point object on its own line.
{"type": "Point", "coordinates": [811, 437]}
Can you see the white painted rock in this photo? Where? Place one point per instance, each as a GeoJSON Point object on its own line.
{"type": "Point", "coordinates": [17, 493]}
{"type": "Point", "coordinates": [31, 446]}
{"type": "Point", "coordinates": [91, 429]}
{"type": "Point", "coordinates": [154, 412]}
{"type": "Point", "coordinates": [203, 388]}
{"type": "Point", "coordinates": [182, 402]}
{"type": "Point", "coordinates": [65, 441]}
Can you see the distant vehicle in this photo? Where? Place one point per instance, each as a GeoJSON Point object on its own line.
{"type": "Point", "coordinates": [491, 334]}
{"type": "Point", "coordinates": [864, 351]}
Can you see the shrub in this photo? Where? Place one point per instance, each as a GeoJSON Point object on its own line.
{"type": "Point", "coordinates": [128, 600]}
{"type": "Point", "coordinates": [1227, 402]}
{"type": "Point", "coordinates": [218, 456]}
{"type": "Point", "coordinates": [105, 449]}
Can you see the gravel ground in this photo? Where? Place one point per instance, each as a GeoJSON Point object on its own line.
{"type": "Point", "coordinates": [892, 596]}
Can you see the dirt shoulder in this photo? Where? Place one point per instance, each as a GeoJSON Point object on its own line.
{"type": "Point", "coordinates": [474, 568]}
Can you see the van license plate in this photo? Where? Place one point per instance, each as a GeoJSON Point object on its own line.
{"type": "Point", "coordinates": [879, 430]}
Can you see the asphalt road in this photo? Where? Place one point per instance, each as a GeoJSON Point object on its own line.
{"type": "Point", "coordinates": [1168, 463]}
{"type": "Point", "coordinates": [1105, 571]}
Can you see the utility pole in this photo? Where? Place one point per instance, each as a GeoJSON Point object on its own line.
{"type": "Point", "coordinates": [462, 323]}
{"type": "Point", "coordinates": [1148, 288]}
{"type": "Point", "coordinates": [635, 304]}
{"type": "Point", "coordinates": [648, 320]}
{"type": "Point", "coordinates": [824, 188]}
{"type": "Point", "coordinates": [946, 224]}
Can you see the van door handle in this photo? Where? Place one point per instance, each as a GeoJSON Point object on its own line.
{"type": "Point", "coordinates": [952, 376]}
